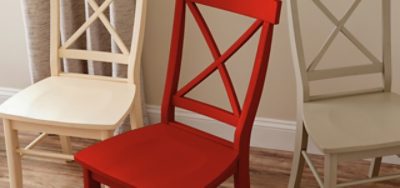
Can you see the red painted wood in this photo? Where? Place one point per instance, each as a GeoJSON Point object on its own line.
{"type": "Point", "coordinates": [174, 66]}
{"type": "Point", "coordinates": [174, 155]}
{"type": "Point", "coordinates": [207, 110]}
{"type": "Point", "coordinates": [260, 9]}
{"type": "Point", "coordinates": [224, 57]}
{"type": "Point", "coordinates": [205, 30]}
{"type": "Point", "coordinates": [216, 54]}
{"type": "Point", "coordinates": [89, 181]}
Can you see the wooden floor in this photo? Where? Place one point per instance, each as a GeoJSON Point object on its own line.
{"type": "Point", "coordinates": [269, 168]}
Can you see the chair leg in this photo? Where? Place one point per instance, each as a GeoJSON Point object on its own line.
{"type": "Point", "coordinates": [66, 144]}
{"type": "Point", "coordinates": [13, 157]}
{"type": "Point", "coordinates": [242, 176]}
{"type": "Point", "coordinates": [136, 114]}
{"type": "Point", "coordinates": [375, 167]}
{"type": "Point", "coordinates": [330, 171]}
{"type": "Point", "coordinates": [88, 180]}
{"type": "Point", "coordinates": [298, 159]}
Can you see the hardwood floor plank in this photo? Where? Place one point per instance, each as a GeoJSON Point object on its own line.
{"type": "Point", "coordinates": [269, 168]}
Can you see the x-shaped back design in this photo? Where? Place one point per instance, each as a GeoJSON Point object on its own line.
{"type": "Point", "coordinates": [340, 28]}
{"type": "Point", "coordinates": [219, 59]}
{"type": "Point", "coordinates": [98, 13]}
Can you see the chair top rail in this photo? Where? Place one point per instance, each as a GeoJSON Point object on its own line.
{"type": "Point", "coordinates": [260, 9]}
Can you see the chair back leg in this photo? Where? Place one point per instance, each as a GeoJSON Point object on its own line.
{"type": "Point", "coordinates": [375, 167]}
{"type": "Point", "coordinates": [242, 176]}
{"type": "Point", "coordinates": [66, 144]}
{"type": "Point", "coordinates": [136, 114]}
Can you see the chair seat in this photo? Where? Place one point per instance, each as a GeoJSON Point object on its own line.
{"type": "Point", "coordinates": [68, 101]}
{"type": "Point", "coordinates": [355, 123]}
{"type": "Point", "coordinates": [160, 156]}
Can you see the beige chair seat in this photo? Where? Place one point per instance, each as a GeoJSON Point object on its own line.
{"type": "Point", "coordinates": [68, 101]}
{"type": "Point", "coordinates": [354, 123]}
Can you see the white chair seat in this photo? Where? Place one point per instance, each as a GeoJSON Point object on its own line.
{"type": "Point", "coordinates": [354, 123]}
{"type": "Point", "coordinates": [67, 101]}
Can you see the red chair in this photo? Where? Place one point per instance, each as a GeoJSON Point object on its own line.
{"type": "Point", "coordinates": [171, 154]}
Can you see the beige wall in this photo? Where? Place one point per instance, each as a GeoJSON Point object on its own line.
{"type": "Point", "coordinates": [14, 61]}
{"type": "Point", "coordinates": [278, 101]}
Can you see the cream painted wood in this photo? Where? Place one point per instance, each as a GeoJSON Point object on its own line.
{"type": "Point", "coordinates": [106, 57]}
{"type": "Point", "coordinates": [313, 169]}
{"type": "Point", "coordinates": [375, 167]}
{"type": "Point", "coordinates": [87, 24]}
{"type": "Point", "coordinates": [55, 37]}
{"type": "Point", "coordinates": [110, 29]}
{"type": "Point", "coordinates": [299, 158]}
{"type": "Point", "coordinates": [333, 121]}
{"type": "Point", "coordinates": [94, 77]}
{"type": "Point", "coordinates": [76, 105]}
{"type": "Point", "coordinates": [13, 158]}
{"type": "Point", "coordinates": [65, 143]}
{"type": "Point", "coordinates": [36, 141]}
{"type": "Point", "coordinates": [330, 171]}
{"type": "Point", "coordinates": [332, 36]}
{"type": "Point", "coordinates": [134, 71]}
{"type": "Point", "coordinates": [387, 44]}
{"type": "Point", "coordinates": [73, 102]}
{"type": "Point", "coordinates": [332, 125]}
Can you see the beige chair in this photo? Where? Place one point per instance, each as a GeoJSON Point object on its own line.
{"type": "Point", "coordinates": [346, 125]}
{"type": "Point", "coordinates": [75, 105]}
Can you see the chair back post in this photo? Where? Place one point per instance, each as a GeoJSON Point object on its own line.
{"type": "Point", "coordinates": [174, 65]}
{"type": "Point", "coordinates": [387, 44]}
{"type": "Point", "coordinates": [254, 91]}
{"type": "Point", "coordinates": [307, 73]}
{"type": "Point", "coordinates": [299, 62]}
{"type": "Point", "coordinates": [135, 57]}
{"type": "Point", "coordinates": [55, 37]}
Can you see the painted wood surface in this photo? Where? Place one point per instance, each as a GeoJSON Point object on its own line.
{"type": "Point", "coordinates": [268, 168]}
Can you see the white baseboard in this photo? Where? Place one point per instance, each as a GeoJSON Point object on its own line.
{"type": "Point", "coordinates": [267, 133]}
{"type": "Point", "coordinates": [6, 93]}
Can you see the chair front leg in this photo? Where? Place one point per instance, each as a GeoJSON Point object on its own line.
{"type": "Point", "coordinates": [375, 167]}
{"type": "Point", "coordinates": [88, 180]}
{"type": "Point", "coordinates": [13, 157]}
{"type": "Point", "coordinates": [298, 161]}
{"type": "Point", "coordinates": [330, 170]}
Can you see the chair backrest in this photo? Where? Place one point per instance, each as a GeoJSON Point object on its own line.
{"type": "Point", "coordinates": [307, 72]}
{"type": "Point", "coordinates": [266, 14]}
{"type": "Point", "coordinates": [130, 57]}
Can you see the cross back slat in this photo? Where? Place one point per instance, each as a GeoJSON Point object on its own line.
{"type": "Point", "coordinates": [178, 97]}
{"type": "Point", "coordinates": [309, 73]}
{"type": "Point", "coordinates": [127, 57]}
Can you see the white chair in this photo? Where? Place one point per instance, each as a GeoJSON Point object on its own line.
{"type": "Point", "coordinates": [346, 125]}
{"type": "Point", "coordinates": [76, 105]}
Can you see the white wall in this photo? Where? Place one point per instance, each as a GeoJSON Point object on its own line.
{"type": "Point", "coordinates": [14, 72]}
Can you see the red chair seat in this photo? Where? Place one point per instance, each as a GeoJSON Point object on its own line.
{"type": "Point", "coordinates": [161, 156]}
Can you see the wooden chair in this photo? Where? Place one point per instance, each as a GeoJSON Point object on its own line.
{"type": "Point", "coordinates": [77, 105]}
{"type": "Point", "coordinates": [172, 154]}
{"type": "Point", "coordinates": [349, 125]}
